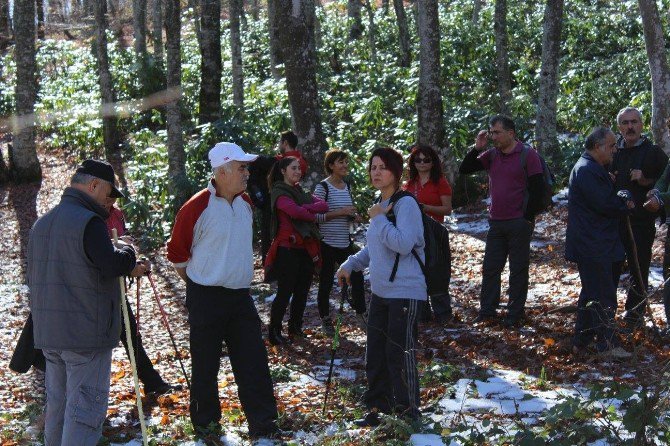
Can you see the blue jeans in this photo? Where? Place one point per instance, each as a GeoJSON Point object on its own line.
{"type": "Point", "coordinates": [77, 386]}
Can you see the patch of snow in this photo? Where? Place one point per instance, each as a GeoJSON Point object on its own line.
{"type": "Point", "coordinates": [425, 440]}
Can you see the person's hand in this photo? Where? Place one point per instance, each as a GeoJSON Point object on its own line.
{"type": "Point", "coordinates": [343, 276]}
{"type": "Point", "coordinates": [378, 209]}
{"type": "Point", "coordinates": [481, 141]}
{"type": "Point", "coordinates": [652, 205]}
{"type": "Point", "coordinates": [347, 211]}
{"type": "Point", "coordinates": [142, 267]}
{"type": "Point", "coordinates": [625, 195]}
{"type": "Point", "coordinates": [636, 175]}
{"type": "Point", "coordinates": [613, 176]}
{"type": "Point", "coordinates": [120, 244]}
{"type": "Point", "coordinates": [630, 204]}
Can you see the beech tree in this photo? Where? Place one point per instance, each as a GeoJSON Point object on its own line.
{"type": "Point", "coordinates": [40, 19]}
{"type": "Point", "coordinates": [110, 130]}
{"type": "Point", "coordinates": [658, 68]}
{"type": "Point", "coordinates": [405, 57]}
{"type": "Point", "coordinates": [23, 162]}
{"type": "Point", "coordinates": [5, 22]}
{"type": "Point", "coordinates": [354, 13]}
{"type": "Point", "coordinates": [275, 46]}
{"type": "Point", "coordinates": [476, 9]}
{"type": "Point", "coordinates": [178, 183]}
{"type": "Point", "coordinates": [545, 125]}
{"type": "Point", "coordinates": [502, 58]}
{"type": "Point", "coordinates": [210, 64]}
{"type": "Point", "coordinates": [139, 27]}
{"type": "Point", "coordinates": [235, 10]}
{"type": "Point", "coordinates": [157, 30]}
{"type": "Point", "coordinates": [296, 37]}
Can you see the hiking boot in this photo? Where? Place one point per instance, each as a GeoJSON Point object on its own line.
{"type": "Point", "coordinates": [297, 332]}
{"type": "Point", "coordinates": [275, 337]}
{"type": "Point", "coordinates": [370, 420]}
{"type": "Point", "coordinates": [512, 322]}
{"type": "Point", "coordinates": [162, 389]}
{"type": "Point", "coordinates": [615, 353]}
{"type": "Point", "coordinates": [327, 327]}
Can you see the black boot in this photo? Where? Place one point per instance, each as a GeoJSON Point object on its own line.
{"type": "Point", "coordinates": [274, 335]}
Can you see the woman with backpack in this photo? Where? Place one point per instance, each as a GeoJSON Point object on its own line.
{"type": "Point", "coordinates": [336, 244]}
{"type": "Point", "coordinates": [394, 241]}
{"type": "Point", "coordinates": [433, 192]}
{"type": "Point", "coordinates": [295, 248]}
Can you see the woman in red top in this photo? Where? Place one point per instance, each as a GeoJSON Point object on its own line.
{"type": "Point", "coordinates": [432, 190]}
{"type": "Point", "coordinates": [295, 248]}
{"type": "Point", "coordinates": [427, 183]}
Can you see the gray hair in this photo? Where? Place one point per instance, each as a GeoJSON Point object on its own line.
{"type": "Point", "coordinates": [626, 110]}
{"type": "Point", "coordinates": [82, 178]}
{"type": "Point", "coordinates": [227, 168]}
{"type": "Point", "coordinates": [597, 136]}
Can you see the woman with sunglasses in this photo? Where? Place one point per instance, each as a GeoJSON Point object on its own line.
{"type": "Point", "coordinates": [390, 363]}
{"type": "Point", "coordinates": [432, 190]}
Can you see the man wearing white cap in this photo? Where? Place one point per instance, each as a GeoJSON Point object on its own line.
{"type": "Point", "coordinates": [211, 249]}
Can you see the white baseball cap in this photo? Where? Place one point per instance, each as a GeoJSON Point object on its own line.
{"type": "Point", "coordinates": [225, 152]}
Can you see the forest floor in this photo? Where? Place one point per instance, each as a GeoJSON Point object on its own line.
{"type": "Point", "coordinates": [470, 375]}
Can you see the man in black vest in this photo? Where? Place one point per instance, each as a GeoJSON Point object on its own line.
{"type": "Point", "coordinates": [73, 275]}
{"type": "Point", "coordinates": [637, 165]}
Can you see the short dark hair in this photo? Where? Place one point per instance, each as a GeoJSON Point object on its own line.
{"type": "Point", "coordinates": [597, 136]}
{"type": "Point", "coordinates": [435, 168]}
{"type": "Point", "coordinates": [506, 121]}
{"type": "Point", "coordinates": [290, 138]}
{"type": "Point", "coordinates": [332, 156]}
{"type": "Point", "coordinates": [392, 160]}
{"type": "Point", "coordinates": [276, 171]}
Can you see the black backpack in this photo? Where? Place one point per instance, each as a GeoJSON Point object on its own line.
{"type": "Point", "coordinates": [547, 176]}
{"type": "Point", "coordinates": [437, 268]}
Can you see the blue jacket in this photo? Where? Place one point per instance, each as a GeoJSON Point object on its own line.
{"type": "Point", "coordinates": [593, 214]}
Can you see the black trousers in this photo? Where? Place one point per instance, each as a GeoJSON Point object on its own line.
{"type": "Point", "coordinates": [265, 222]}
{"type": "Point", "coordinates": [390, 363]}
{"type": "Point", "coordinates": [666, 274]}
{"type": "Point", "coordinates": [644, 232]}
{"type": "Point", "coordinates": [331, 256]}
{"type": "Point", "coordinates": [506, 238]}
{"type": "Point", "coordinates": [596, 306]}
{"type": "Point", "coordinates": [217, 315]}
{"type": "Point", "coordinates": [145, 369]}
{"type": "Point", "coordinates": [294, 277]}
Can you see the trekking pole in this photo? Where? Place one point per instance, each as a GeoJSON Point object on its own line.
{"type": "Point", "coordinates": [131, 350]}
{"type": "Point", "coordinates": [335, 344]}
{"type": "Point", "coordinates": [164, 319]}
{"type": "Point", "coordinates": [638, 273]}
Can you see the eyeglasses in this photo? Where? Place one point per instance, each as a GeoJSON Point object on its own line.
{"type": "Point", "coordinates": [418, 160]}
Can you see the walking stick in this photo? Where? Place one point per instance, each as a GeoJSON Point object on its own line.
{"type": "Point", "coordinates": [167, 327]}
{"type": "Point", "coordinates": [636, 264]}
{"type": "Point", "coordinates": [336, 343]}
{"type": "Point", "coordinates": [131, 350]}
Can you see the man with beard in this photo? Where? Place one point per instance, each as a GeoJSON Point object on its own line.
{"type": "Point", "coordinates": [515, 188]}
{"type": "Point", "coordinates": [637, 165]}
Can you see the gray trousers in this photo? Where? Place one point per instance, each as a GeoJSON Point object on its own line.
{"type": "Point", "coordinates": [77, 385]}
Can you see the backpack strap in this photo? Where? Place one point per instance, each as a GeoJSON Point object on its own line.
{"type": "Point", "coordinates": [324, 184]}
{"type": "Point", "coordinates": [394, 198]}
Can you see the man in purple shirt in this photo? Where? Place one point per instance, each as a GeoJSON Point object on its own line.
{"type": "Point", "coordinates": [515, 188]}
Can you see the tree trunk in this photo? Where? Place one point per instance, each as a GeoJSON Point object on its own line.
{"type": "Point", "coordinates": [236, 53]}
{"type": "Point", "coordinates": [476, 9]}
{"type": "Point", "coordinates": [23, 160]}
{"type": "Point", "coordinates": [385, 6]}
{"type": "Point", "coordinates": [275, 46]}
{"type": "Point", "coordinates": [372, 32]}
{"type": "Point", "coordinates": [545, 126]}
{"type": "Point", "coordinates": [210, 64]}
{"type": "Point", "coordinates": [502, 58]}
{"type": "Point", "coordinates": [660, 74]}
{"type": "Point", "coordinates": [40, 19]}
{"type": "Point", "coordinates": [140, 27]}
{"type": "Point", "coordinates": [157, 31]}
{"type": "Point", "coordinates": [405, 57]}
{"type": "Point", "coordinates": [5, 29]}
{"type": "Point", "coordinates": [178, 184]}
{"type": "Point", "coordinates": [109, 122]}
{"type": "Point", "coordinates": [430, 130]}
{"type": "Point", "coordinates": [297, 19]}
{"type": "Point", "coordinates": [355, 20]}
{"type": "Point", "coordinates": [255, 9]}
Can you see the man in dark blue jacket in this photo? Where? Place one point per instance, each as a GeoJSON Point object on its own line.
{"type": "Point", "coordinates": [592, 240]}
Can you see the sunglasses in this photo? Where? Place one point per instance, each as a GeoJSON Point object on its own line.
{"type": "Point", "coordinates": [418, 160]}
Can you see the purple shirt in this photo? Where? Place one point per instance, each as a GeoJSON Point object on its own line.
{"type": "Point", "coordinates": [507, 180]}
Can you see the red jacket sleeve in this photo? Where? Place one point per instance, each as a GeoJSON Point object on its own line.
{"type": "Point", "coordinates": [179, 245]}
